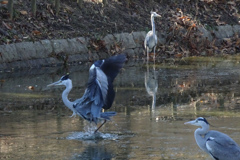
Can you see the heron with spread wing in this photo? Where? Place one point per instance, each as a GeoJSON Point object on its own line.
{"type": "Point", "coordinates": [99, 93]}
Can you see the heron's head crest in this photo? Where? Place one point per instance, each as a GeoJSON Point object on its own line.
{"type": "Point", "coordinates": [65, 77]}
{"type": "Point", "coordinates": [202, 119]}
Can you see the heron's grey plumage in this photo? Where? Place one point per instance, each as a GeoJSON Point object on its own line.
{"type": "Point", "coordinates": [217, 144]}
{"type": "Point", "coordinates": [150, 41]}
{"type": "Point", "coordinates": [99, 92]}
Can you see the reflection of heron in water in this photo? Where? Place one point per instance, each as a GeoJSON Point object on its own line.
{"type": "Point", "coordinates": [94, 151]}
{"type": "Point", "coordinates": [151, 84]}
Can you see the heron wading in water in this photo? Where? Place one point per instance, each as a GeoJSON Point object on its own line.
{"type": "Point", "coordinates": [99, 93]}
{"type": "Point", "coordinates": [218, 145]}
{"type": "Point", "coordinates": [150, 41]}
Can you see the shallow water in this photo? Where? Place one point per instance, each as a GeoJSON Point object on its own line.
{"type": "Point", "coordinates": [152, 102]}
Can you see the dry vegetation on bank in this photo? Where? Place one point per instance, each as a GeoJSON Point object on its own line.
{"type": "Point", "coordinates": [179, 23]}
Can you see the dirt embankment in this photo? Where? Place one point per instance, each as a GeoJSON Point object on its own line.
{"type": "Point", "coordinates": [187, 28]}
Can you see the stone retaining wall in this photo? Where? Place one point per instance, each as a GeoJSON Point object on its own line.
{"type": "Point", "coordinates": [76, 50]}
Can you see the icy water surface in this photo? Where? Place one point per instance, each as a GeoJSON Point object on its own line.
{"type": "Point", "coordinates": [152, 102]}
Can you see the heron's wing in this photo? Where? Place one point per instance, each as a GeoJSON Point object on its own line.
{"type": "Point", "coordinates": [222, 146]}
{"type": "Point", "coordinates": [102, 84]}
{"type": "Point", "coordinates": [99, 93]}
{"type": "Point", "coordinates": [90, 105]}
{"type": "Point", "coordinates": [147, 38]}
{"type": "Point", "coordinates": [111, 68]}
{"type": "Point", "coordinates": [97, 85]}
{"type": "Point", "coordinates": [150, 40]}
{"type": "Point", "coordinates": [110, 95]}
{"type": "Point", "coordinates": [82, 106]}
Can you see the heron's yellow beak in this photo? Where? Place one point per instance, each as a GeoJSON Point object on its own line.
{"type": "Point", "coordinates": [55, 83]}
{"type": "Point", "coordinates": [194, 123]}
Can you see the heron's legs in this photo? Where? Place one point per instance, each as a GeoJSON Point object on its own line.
{"type": "Point", "coordinates": [100, 126]}
{"type": "Point", "coordinates": [154, 52]}
{"type": "Point", "coordinates": [147, 54]}
{"type": "Point", "coordinates": [73, 115]}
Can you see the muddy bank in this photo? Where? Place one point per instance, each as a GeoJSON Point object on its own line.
{"type": "Point", "coordinates": [81, 49]}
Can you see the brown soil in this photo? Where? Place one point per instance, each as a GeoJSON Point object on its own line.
{"type": "Point", "coordinates": [95, 20]}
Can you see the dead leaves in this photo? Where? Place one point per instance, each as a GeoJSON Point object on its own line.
{"type": "Point", "coordinates": [185, 20]}
{"type": "Point", "coordinates": [185, 39]}
{"type": "Point", "coordinates": [116, 48]}
{"type": "Point", "coordinates": [229, 7]}
{"type": "Point", "coordinates": [31, 87]}
{"type": "Point", "coordinates": [6, 25]}
{"type": "Point", "coordinates": [98, 45]}
{"type": "Point", "coordinates": [230, 45]}
{"type": "Point", "coordinates": [36, 33]}
{"type": "Point", "coordinates": [207, 1]}
{"type": "Point", "coordinates": [23, 12]}
{"type": "Point", "coordinates": [218, 22]}
{"type": "Point", "coordinates": [25, 27]}
{"type": "Point", "coordinates": [4, 2]}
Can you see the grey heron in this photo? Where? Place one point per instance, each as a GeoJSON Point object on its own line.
{"type": "Point", "coordinates": [150, 41]}
{"type": "Point", "coordinates": [99, 93]}
{"type": "Point", "coordinates": [218, 145]}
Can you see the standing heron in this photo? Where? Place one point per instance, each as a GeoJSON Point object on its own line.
{"type": "Point", "coordinates": [219, 145]}
{"type": "Point", "coordinates": [150, 41]}
{"type": "Point", "coordinates": [99, 93]}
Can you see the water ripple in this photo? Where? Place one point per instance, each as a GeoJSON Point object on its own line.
{"type": "Point", "coordinates": [92, 136]}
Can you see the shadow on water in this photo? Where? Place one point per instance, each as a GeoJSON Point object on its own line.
{"type": "Point", "coordinates": [152, 103]}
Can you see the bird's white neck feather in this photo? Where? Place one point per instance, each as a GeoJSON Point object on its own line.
{"type": "Point", "coordinates": [65, 93]}
{"type": "Point", "coordinates": [199, 135]}
{"type": "Point", "coordinates": [153, 24]}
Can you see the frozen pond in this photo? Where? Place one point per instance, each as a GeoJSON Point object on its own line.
{"type": "Point", "coordinates": [152, 102]}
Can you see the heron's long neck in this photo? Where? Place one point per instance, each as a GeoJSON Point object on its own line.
{"type": "Point", "coordinates": [199, 135]}
{"type": "Point", "coordinates": [153, 25]}
{"type": "Point", "coordinates": [65, 93]}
